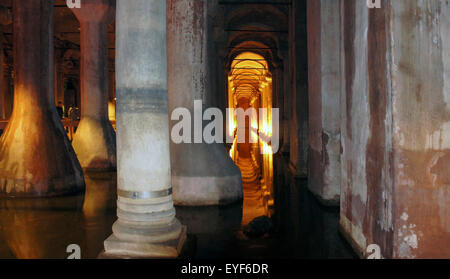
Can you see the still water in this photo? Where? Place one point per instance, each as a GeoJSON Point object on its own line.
{"type": "Point", "coordinates": [43, 228]}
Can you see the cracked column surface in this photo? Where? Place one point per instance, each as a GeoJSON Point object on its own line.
{"type": "Point", "coordinates": [214, 178]}
{"type": "Point", "coordinates": [147, 226]}
{"type": "Point", "coordinates": [36, 157]}
{"type": "Point", "coordinates": [95, 139]}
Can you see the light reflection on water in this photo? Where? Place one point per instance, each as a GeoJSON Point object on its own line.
{"type": "Point", "coordinates": [43, 228]}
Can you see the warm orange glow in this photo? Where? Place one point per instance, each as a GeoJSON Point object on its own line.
{"type": "Point", "coordinates": [111, 111]}
{"type": "Point", "coordinates": [250, 86]}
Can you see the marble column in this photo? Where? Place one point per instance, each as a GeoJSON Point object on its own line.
{"type": "Point", "coordinates": [36, 158]}
{"type": "Point", "coordinates": [147, 226]}
{"type": "Point", "coordinates": [202, 174]}
{"type": "Point", "coordinates": [95, 139]}
{"type": "Point", "coordinates": [324, 38]}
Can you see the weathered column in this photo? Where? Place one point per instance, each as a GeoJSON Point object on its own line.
{"type": "Point", "coordinates": [278, 96]}
{"type": "Point", "coordinates": [147, 226]}
{"type": "Point", "coordinates": [202, 174]}
{"type": "Point", "coordinates": [299, 90]}
{"type": "Point", "coordinates": [324, 100]}
{"type": "Point", "coordinates": [395, 128]}
{"type": "Point", "coordinates": [36, 158]}
{"type": "Point", "coordinates": [95, 139]}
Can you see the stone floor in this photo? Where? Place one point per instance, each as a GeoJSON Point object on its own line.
{"type": "Point", "coordinates": [43, 228]}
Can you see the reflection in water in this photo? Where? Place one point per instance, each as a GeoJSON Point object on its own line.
{"type": "Point", "coordinates": [257, 179]}
{"type": "Point", "coordinates": [99, 211]}
{"type": "Point", "coordinates": [40, 228]}
{"type": "Point", "coordinates": [303, 228]}
{"type": "Point", "coordinates": [250, 89]}
{"type": "Point", "coordinates": [256, 169]}
{"type": "Point", "coordinates": [43, 228]}
{"type": "Point", "coordinates": [214, 228]}
{"type": "Point", "coordinates": [309, 229]}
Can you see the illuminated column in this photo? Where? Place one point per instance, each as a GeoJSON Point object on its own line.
{"type": "Point", "coordinates": [112, 96]}
{"type": "Point", "coordinates": [202, 174]}
{"type": "Point", "coordinates": [147, 226]}
{"type": "Point", "coordinates": [36, 158]}
{"type": "Point", "coordinates": [95, 139]}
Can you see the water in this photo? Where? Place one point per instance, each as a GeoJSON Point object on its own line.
{"type": "Point", "coordinates": [43, 228]}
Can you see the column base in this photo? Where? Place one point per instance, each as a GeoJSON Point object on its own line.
{"type": "Point", "coordinates": [328, 202]}
{"type": "Point", "coordinates": [120, 249]}
{"type": "Point", "coordinates": [206, 191]}
{"type": "Point", "coordinates": [350, 233]}
{"type": "Point", "coordinates": [95, 145]}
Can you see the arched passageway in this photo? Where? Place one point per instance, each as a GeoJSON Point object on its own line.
{"type": "Point", "coordinates": [250, 89]}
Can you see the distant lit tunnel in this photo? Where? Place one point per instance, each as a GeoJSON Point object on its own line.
{"type": "Point", "coordinates": [250, 87]}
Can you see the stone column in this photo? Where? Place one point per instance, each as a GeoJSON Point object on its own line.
{"type": "Point", "coordinates": [299, 90]}
{"type": "Point", "coordinates": [396, 128]}
{"type": "Point", "coordinates": [202, 174]}
{"type": "Point", "coordinates": [285, 148]}
{"type": "Point", "coordinates": [95, 139]}
{"type": "Point", "coordinates": [324, 99]}
{"type": "Point", "coordinates": [112, 95]}
{"type": "Point", "coordinates": [278, 95]}
{"type": "Point", "coordinates": [147, 226]}
{"type": "Point", "coordinates": [36, 158]}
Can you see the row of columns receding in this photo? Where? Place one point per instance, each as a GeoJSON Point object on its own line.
{"type": "Point", "coordinates": [37, 159]}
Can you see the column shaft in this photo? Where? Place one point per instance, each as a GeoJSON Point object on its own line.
{"type": "Point", "coordinates": [94, 141]}
{"type": "Point", "coordinates": [299, 90]}
{"type": "Point", "coordinates": [147, 226]}
{"type": "Point", "coordinates": [36, 158]}
{"type": "Point", "coordinates": [324, 38]}
{"type": "Point", "coordinates": [395, 131]}
{"type": "Point", "coordinates": [213, 178]}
